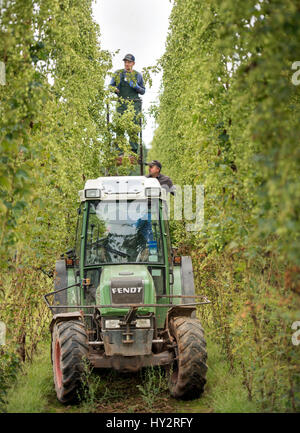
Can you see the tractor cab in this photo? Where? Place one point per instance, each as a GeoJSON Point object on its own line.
{"type": "Point", "coordinates": [124, 223]}
{"type": "Point", "coordinates": [123, 232]}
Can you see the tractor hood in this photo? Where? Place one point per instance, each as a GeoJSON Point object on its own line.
{"type": "Point", "coordinates": [125, 284]}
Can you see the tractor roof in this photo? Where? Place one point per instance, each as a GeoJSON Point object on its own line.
{"type": "Point", "coordinates": [122, 187]}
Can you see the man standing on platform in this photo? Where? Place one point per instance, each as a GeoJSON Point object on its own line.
{"type": "Point", "coordinates": [128, 84]}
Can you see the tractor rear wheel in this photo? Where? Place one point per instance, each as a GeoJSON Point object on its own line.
{"type": "Point", "coordinates": [69, 347]}
{"type": "Point", "coordinates": [187, 379]}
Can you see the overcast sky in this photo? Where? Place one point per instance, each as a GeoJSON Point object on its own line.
{"type": "Point", "coordinates": [138, 27]}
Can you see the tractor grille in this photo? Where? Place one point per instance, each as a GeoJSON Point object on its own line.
{"type": "Point", "coordinates": [127, 290]}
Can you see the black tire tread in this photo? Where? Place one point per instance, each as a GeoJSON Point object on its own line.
{"type": "Point", "coordinates": [74, 347]}
{"type": "Point", "coordinates": [190, 377]}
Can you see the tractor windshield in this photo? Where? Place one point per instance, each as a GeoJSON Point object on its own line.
{"type": "Point", "coordinates": [123, 232]}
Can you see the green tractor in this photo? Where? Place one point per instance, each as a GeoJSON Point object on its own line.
{"type": "Point", "coordinates": [123, 299]}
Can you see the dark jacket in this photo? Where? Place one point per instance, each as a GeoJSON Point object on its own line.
{"type": "Point", "coordinates": [165, 182]}
{"type": "Point", "coordinates": [129, 83]}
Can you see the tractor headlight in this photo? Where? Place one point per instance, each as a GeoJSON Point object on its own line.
{"type": "Point", "coordinates": [142, 323]}
{"type": "Point", "coordinates": [152, 192]}
{"type": "Point", "coordinates": [92, 193]}
{"type": "Point", "coordinates": [112, 324]}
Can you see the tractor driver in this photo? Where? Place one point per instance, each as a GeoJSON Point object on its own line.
{"type": "Point", "coordinates": [128, 84]}
{"type": "Point", "coordinates": [154, 171]}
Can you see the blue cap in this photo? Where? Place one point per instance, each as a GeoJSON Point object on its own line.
{"type": "Point", "coordinates": [129, 57]}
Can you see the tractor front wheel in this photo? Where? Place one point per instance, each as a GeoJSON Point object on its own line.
{"type": "Point", "coordinates": [69, 347]}
{"type": "Point", "coordinates": [187, 378]}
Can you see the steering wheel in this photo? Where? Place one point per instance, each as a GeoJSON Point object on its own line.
{"type": "Point", "coordinates": [100, 242]}
{"type": "Point", "coordinates": [120, 253]}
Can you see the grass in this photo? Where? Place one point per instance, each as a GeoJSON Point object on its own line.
{"type": "Point", "coordinates": [145, 391]}
{"type": "Point", "coordinates": [154, 384]}
{"type": "Point", "coordinates": [34, 384]}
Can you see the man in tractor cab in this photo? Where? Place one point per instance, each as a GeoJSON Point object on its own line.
{"type": "Point", "coordinates": [128, 85]}
{"type": "Point", "coordinates": [154, 171]}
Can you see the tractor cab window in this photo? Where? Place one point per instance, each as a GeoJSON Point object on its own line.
{"type": "Point", "coordinates": [78, 233]}
{"type": "Point", "coordinates": [123, 232]}
{"type": "Point", "coordinates": [168, 238]}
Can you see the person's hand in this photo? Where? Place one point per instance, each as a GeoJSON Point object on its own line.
{"type": "Point", "coordinates": [131, 84]}
{"type": "Point", "coordinates": [117, 90]}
